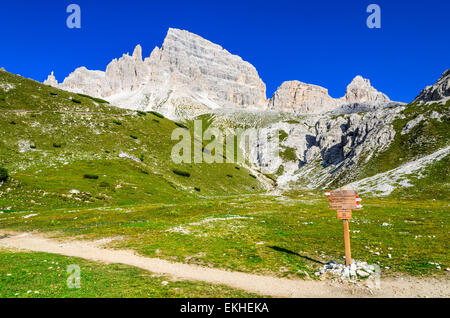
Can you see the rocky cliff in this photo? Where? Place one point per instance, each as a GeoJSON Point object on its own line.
{"type": "Point", "coordinates": [297, 97]}
{"type": "Point", "coordinates": [440, 91]}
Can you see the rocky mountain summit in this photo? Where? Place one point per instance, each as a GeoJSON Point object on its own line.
{"type": "Point", "coordinates": [186, 73]}
{"type": "Point", "coordinates": [440, 91]}
{"type": "Point", "coordinates": [190, 75]}
{"type": "Point", "coordinates": [298, 97]}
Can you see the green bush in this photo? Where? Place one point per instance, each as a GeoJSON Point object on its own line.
{"type": "Point", "coordinates": [252, 175]}
{"type": "Point", "coordinates": [155, 120]}
{"type": "Point", "coordinates": [141, 113]}
{"type": "Point", "coordinates": [98, 100]}
{"type": "Point", "coordinates": [181, 125]}
{"type": "Point", "coordinates": [3, 175]}
{"type": "Point", "coordinates": [33, 146]}
{"type": "Point", "coordinates": [117, 122]}
{"type": "Point", "coordinates": [229, 176]}
{"type": "Point", "coordinates": [53, 94]}
{"type": "Point", "coordinates": [104, 184]}
{"type": "Point", "coordinates": [181, 173]}
{"type": "Point", "coordinates": [133, 136]}
{"type": "Point", "coordinates": [90, 176]}
{"type": "Point", "coordinates": [57, 145]}
{"type": "Point", "coordinates": [76, 101]}
{"type": "Point", "coordinates": [12, 122]}
{"type": "Point", "coordinates": [157, 114]}
{"type": "Point", "coordinates": [142, 157]}
{"type": "Point", "coordinates": [197, 189]}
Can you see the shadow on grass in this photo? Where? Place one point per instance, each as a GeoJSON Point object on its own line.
{"type": "Point", "coordinates": [280, 249]}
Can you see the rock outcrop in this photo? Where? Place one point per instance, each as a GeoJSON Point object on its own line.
{"type": "Point", "coordinates": [297, 97]}
{"type": "Point", "coordinates": [361, 91]}
{"type": "Point", "coordinates": [440, 91]}
{"type": "Point", "coordinates": [51, 80]}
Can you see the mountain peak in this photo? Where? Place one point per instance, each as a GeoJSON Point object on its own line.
{"type": "Point", "coordinates": [360, 91]}
{"type": "Point", "coordinates": [137, 53]}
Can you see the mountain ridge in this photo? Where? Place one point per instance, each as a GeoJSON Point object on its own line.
{"type": "Point", "coordinates": [190, 75]}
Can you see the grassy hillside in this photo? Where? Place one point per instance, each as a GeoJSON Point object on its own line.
{"type": "Point", "coordinates": [63, 149]}
{"type": "Point", "coordinates": [430, 134]}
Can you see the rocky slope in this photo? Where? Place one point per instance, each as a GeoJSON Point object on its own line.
{"type": "Point", "coordinates": [437, 92]}
{"type": "Point", "coordinates": [388, 148]}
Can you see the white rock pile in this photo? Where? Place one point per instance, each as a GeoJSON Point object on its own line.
{"type": "Point", "coordinates": [356, 270]}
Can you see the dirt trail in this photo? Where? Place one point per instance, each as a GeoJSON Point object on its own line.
{"type": "Point", "coordinates": [263, 285]}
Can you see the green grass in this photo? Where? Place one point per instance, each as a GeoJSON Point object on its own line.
{"type": "Point", "coordinates": [208, 214]}
{"type": "Point", "coordinates": [55, 142]}
{"type": "Point", "coordinates": [42, 275]}
{"type": "Point", "coordinates": [249, 233]}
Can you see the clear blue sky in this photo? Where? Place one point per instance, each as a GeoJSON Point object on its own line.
{"type": "Point", "coordinates": [320, 42]}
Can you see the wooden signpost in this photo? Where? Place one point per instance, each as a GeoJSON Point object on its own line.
{"type": "Point", "coordinates": [344, 201]}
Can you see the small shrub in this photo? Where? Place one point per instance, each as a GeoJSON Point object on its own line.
{"type": "Point", "coordinates": [3, 174]}
{"type": "Point", "coordinates": [141, 113]}
{"type": "Point", "coordinates": [237, 168]}
{"type": "Point", "coordinates": [197, 189]}
{"type": "Point", "coordinates": [107, 151]}
{"type": "Point", "coordinates": [181, 126]}
{"type": "Point", "coordinates": [117, 122]}
{"type": "Point", "coordinates": [157, 114]}
{"type": "Point", "coordinates": [145, 172]}
{"type": "Point", "coordinates": [98, 100]}
{"type": "Point", "coordinates": [12, 122]}
{"type": "Point", "coordinates": [90, 176]}
{"type": "Point", "coordinates": [133, 136]}
{"type": "Point", "coordinates": [33, 146]}
{"type": "Point", "coordinates": [57, 145]}
{"type": "Point", "coordinates": [252, 175]}
{"type": "Point", "coordinates": [229, 176]}
{"type": "Point", "coordinates": [76, 101]}
{"type": "Point", "coordinates": [181, 173]}
{"type": "Point", "coordinates": [155, 120]}
{"type": "Point", "coordinates": [142, 157]}
{"type": "Point", "coordinates": [53, 94]}
{"type": "Point", "coordinates": [104, 184]}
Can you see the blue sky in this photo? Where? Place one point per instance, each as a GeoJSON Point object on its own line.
{"type": "Point", "coordinates": [320, 42]}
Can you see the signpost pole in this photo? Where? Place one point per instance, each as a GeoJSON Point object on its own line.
{"type": "Point", "coordinates": [348, 252]}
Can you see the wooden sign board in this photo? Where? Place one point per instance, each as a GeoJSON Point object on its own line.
{"type": "Point", "coordinates": [344, 214]}
{"type": "Point", "coordinates": [343, 200]}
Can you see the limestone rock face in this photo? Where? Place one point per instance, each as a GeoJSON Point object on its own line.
{"type": "Point", "coordinates": [126, 74]}
{"type": "Point", "coordinates": [360, 91]}
{"type": "Point", "coordinates": [304, 98]}
{"type": "Point", "coordinates": [85, 81]}
{"type": "Point", "coordinates": [187, 74]}
{"type": "Point", "coordinates": [440, 91]}
{"type": "Point", "coordinates": [209, 70]}
{"type": "Point", "coordinates": [51, 80]}
{"type": "Point", "coordinates": [295, 96]}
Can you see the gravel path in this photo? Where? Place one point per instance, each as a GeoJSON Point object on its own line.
{"type": "Point", "coordinates": [263, 285]}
